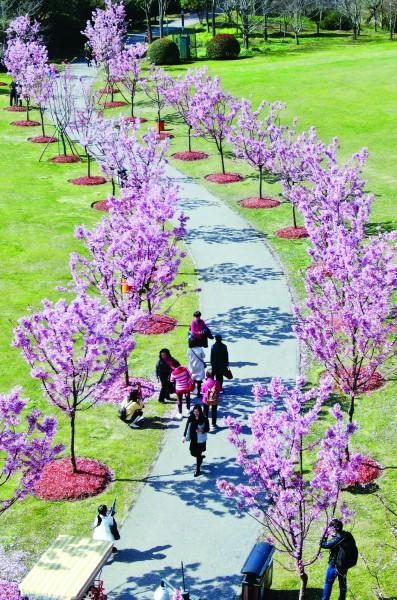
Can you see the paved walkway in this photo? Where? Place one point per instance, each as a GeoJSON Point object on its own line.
{"type": "Point", "coordinates": [177, 517]}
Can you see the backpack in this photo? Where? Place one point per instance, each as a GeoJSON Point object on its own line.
{"type": "Point", "coordinates": [347, 554]}
{"type": "Point", "coordinates": [212, 397]}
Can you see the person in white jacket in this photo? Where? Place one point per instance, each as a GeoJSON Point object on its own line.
{"type": "Point", "coordinates": [197, 365]}
{"type": "Point", "coordinates": [105, 526]}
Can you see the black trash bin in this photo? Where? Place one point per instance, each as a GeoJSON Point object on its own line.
{"type": "Point", "coordinates": [258, 572]}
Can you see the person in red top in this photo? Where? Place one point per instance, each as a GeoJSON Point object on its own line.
{"type": "Point", "coordinates": [184, 384]}
{"type": "Point", "coordinates": [211, 390]}
{"type": "Point", "coordinates": [199, 332]}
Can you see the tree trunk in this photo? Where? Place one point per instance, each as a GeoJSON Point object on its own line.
{"type": "Point", "coordinates": [213, 8]}
{"type": "Point", "coordinates": [294, 215]}
{"type": "Point", "coordinates": [149, 26]}
{"type": "Point", "coordinates": [351, 408]}
{"type": "Point", "coordinates": [222, 159]}
{"type": "Point", "coordinates": [189, 137]}
{"type": "Point", "coordinates": [161, 19]}
{"type": "Point", "coordinates": [260, 180]}
{"type": "Point", "coordinates": [244, 19]}
{"type": "Point", "coordinates": [126, 372]}
{"type": "Point", "coordinates": [63, 142]}
{"type": "Point", "coordinates": [88, 163]}
{"type": "Point", "coordinates": [303, 587]}
{"type": "Point", "coordinates": [132, 104]}
{"type": "Point", "coordinates": [296, 38]}
{"type": "Point", "coordinates": [265, 31]}
{"type": "Point", "coordinates": [42, 121]}
{"type": "Point", "coordinates": [72, 440]}
{"type": "Point", "coordinates": [27, 108]}
{"type": "Point", "coordinates": [207, 20]}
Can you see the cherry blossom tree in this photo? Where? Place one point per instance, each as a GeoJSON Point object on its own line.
{"type": "Point", "coordinates": [212, 112]}
{"type": "Point", "coordinates": [26, 446]}
{"type": "Point", "coordinates": [155, 86]}
{"type": "Point", "coordinates": [42, 89]}
{"type": "Point", "coordinates": [61, 105]}
{"type": "Point", "coordinates": [105, 34]}
{"type": "Point", "coordinates": [126, 65]}
{"type": "Point", "coordinates": [282, 493]}
{"type": "Point", "coordinates": [86, 119]}
{"type": "Point", "coordinates": [77, 350]}
{"type": "Point", "coordinates": [255, 134]}
{"type": "Point", "coordinates": [24, 29]}
{"type": "Point", "coordinates": [180, 95]}
{"type": "Point", "coordinates": [347, 322]}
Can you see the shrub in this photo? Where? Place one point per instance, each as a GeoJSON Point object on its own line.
{"type": "Point", "coordinates": [223, 46]}
{"type": "Point", "coordinates": [334, 20]}
{"type": "Point", "coordinates": [163, 52]}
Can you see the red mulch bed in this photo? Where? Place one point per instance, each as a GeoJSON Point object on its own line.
{"type": "Point", "coordinates": [224, 178]}
{"type": "Point", "coordinates": [25, 123]}
{"type": "Point", "coordinates": [15, 108]}
{"type": "Point", "coordinates": [155, 324]}
{"type": "Point", "coordinates": [101, 205]}
{"type": "Point", "coordinates": [194, 155]}
{"type": "Point", "coordinates": [2, 83]}
{"type": "Point", "coordinates": [370, 384]}
{"type": "Point", "coordinates": [43, 139]}
{"type": "Point", "coordinates": [85, 180]}
{"type": "Point", "coordinates": [62, 158]}
{"type": "Point", "coordinates": [57, 481]}
{"type": "Point", "coordinates": [256, 202]}
{"type": "Point", "coordinates": [135, 119]}
{"type": "Point", "coordinates": [368, 470]}
{"type": "Point", "coordinates": [114, 104]}
{"type": "Point", "coordinates": [292, 233]}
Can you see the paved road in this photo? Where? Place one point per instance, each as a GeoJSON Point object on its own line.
{"type": "Point", "coordinates": [244, 296]}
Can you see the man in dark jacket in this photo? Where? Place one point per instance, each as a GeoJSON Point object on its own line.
{"type": "Point", "coordinates": [219, 359]}
{"type": "Point", "coordinates": [333, 572]}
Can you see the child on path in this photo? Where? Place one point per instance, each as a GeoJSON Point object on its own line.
{"type": "Point", "coordinates": [211, 393]}
{"type": "Point", "coordinates": [199, 332]}
{"type": "Point", "coordinates": [184, 384]}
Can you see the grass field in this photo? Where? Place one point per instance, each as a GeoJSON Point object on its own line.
{"type": "Point", "coordinates": [39, 210]}
{"type": "Point", "coordinates": [345, 90]}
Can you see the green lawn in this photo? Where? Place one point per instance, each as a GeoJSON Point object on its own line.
{"type": "Point", "coordinates": [346, 90]}
{"type": "Point", "coordinates": [39, 210]}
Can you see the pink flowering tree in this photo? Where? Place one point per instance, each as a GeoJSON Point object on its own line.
{"type": "Point", "coordinates": [347, 322]}
{"type": "Point", "coordinates": [255, 135]}
{"type": "Point", "coordinates": [76, 350]}
{"type": "Point", "coordinates": [26, 446]}
{"type": "Point", "coordinates": [23, 28]}
{"type": "Point", "coordinates": [61, 106]}
{"type": "Point", "coordinates": [181, 93]}
{"type": "Point", "coordinates": [86, 120]}
{"type": "Point", "coordinates": [42, 89]}
{"type": "Point", "coordinates": [283, 492]}
{"type": "Point", "coordinates": [155, 86]}
{"type": "Point", "coordinates": [126, 66]}
{"type": "Point", "coordinates": [105, 34]}
{"type": "Point", "coordinates": [212, 112]}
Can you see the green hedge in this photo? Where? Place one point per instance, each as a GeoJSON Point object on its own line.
{"type": "Point", "coordinates": [223, 46]}
{"type": "Point", "coordinates": [163, 52]}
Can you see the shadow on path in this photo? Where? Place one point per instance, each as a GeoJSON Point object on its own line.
{"type": "Point", "coordinates": [224, 235]}
{"type": "Point", "coordinates": [235, 274]}
{"type": "Point", "coordinates": [268, 326]}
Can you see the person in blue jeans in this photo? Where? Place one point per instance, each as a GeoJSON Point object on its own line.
{"type": "Point", "coordinates": [336, 527]}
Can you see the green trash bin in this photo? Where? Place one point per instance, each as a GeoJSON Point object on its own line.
{"type": "Point", "coordinates": [184, 46]}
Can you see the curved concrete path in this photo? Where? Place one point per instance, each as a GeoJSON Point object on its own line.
{"type": "Point", "coordinates": [177, 517]}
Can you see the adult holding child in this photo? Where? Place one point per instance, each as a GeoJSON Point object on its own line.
{"type": "Point", "coordinates": [199, 332]}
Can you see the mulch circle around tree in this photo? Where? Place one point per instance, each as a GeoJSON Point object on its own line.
{"type": "Point", "coordinates": [155, 324]}
{"type": "Point", "coordinates": [58, 482]}
{"type": "Point", "coordinates": [43, 139]}
{"type": "Point", "coordinates": [114, 104]}
{"type": "Point", "coordinates": [85, 180]}
{"type": "Point", "coordinates": [223, 178]}
{"type": "Point", "coordinates": [257, 202]}
{"type": "Point", "coordinates": [100, 205]}
{"type": "Point", "coordinates": [134, 119]}
{"type": "Point", "coordinates": [15, 108]}
{"type": "Point", "coordinates": [25, 123]}
{"type": "Point", "coordinates": [368, 471]}
{"type": "Point", "coordinates": [2, 83]}
{"type": "Point", "coordinates": [292, 233]}
{"type": "Point", "coordinates": [65, 158]}
{"type": "Point", "coordinates": [193, 155]}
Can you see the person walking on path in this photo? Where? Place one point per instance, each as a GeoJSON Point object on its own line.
{"type": "Point", "coordinates": [164, 367]}
{"type": "Point", "coordinates": [105, 527]}
{"type": "Point", "coordinates": [196, 430]}
{"type": "Point", "coordinates": [199, 332]}
{"type": "Point", "coordinates": [211, 394]}
{"type": "Point", "coordinates": [184, 384]}
{"type": "Point", "coordinates": [343, 555]}
{"type": "Point", "coordinates": [219, 359]}
{"type": "Point", "coordinates": [197, 366]}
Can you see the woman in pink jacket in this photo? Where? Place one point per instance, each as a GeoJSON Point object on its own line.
{"type": "Point", "coordinates": [184, 384]}
{"type": "Point", "coordinates": [211, 390]}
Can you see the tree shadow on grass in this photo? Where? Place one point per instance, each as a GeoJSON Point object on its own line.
{"type": "Point", "coordinates": [380, 227]}
{"type": "Point", "coordinates": [311, 594]}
